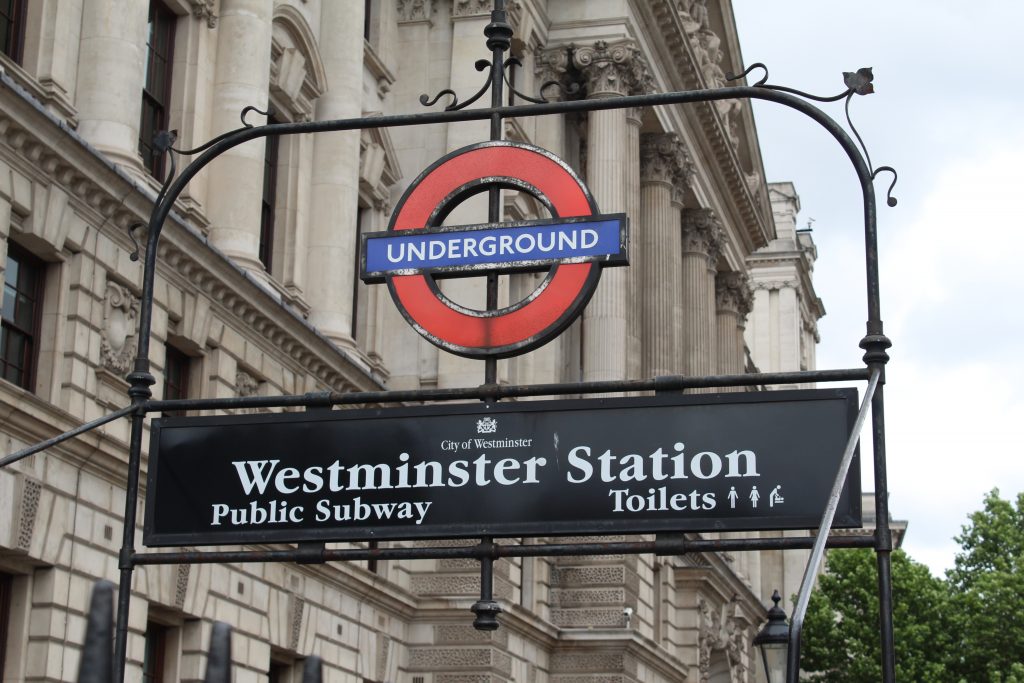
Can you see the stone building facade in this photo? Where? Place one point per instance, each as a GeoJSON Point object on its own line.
{"type": "Point", "coordinates": [257, 294]}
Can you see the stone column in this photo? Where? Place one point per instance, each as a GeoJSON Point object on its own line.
{"type": "Point", "coordinates": [469, 17]}
{"type": "Point", "coordinates": [411, 360]}
{"type": "Point", "coordinates": [610, 71]}
{"type": "Point", "coordinates": [733, 300]}
{"type": "Point", "coordinates": [111, 70]}
{"type": "Point", "coordinates": [543, 364]}
{"type": "Point", "coordinates": [241, 79]}
{"type": "Point", "coordinates": [658, 246]}
{"type": "Point", "coordinates": [635, 294]}
{"type": "Point", "coordinates": [701, 237]}
{"type": "Point", "coordinates": [334, 192]}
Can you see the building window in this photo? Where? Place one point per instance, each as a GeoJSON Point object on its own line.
{"type": "Point", "coordinates": [155, 655]}
{"type": "Point", "coordinates": [22, 313]}
{"type": "Point", "coordinates": [269, 204]}
{"type": "Point", "coordinates": [176, 371]}
{"type": "Point", "coordinates": [12, 28]}
{"type": "Point", "coordinates": [156, 93]}
{"type": "Point", "coordinates": [367, 9]}
{"type": "Point", "coordinates": [280, 672]}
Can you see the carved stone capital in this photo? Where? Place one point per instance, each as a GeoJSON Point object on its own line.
{"type": "Point", "coordinates": [664, 158]}
{"type": "Point", "coordinates": [702, 233]}
{"type": "Point", "coordinates": [410, 11]}
{"type": "Point", "coordinates": [613, 69]}
{"type": "Point", "coordinates": [733, 293]}
{"type": "Point", "coordinates": [773, 285]}
{"type": "Point", "coordinates": [551, 66]}
{"type": "Point", "coordinates": [119, 342]}
{"type": "Point", "coordinates": [203, 9]}
{"type": "Point", "coordinates": [471, 8]}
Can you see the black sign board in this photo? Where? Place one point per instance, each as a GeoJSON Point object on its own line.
{"type": "Point", "coordinates": [724, 462]}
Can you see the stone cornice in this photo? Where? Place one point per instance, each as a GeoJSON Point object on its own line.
{"type": "Point", "coordinates": [112, 199]}
{"type": "Point", "coordinates": [612, 69]}
{"type": "Point", "coordinates": [666, 19]}
{"type": "Point", "coordinates": [611, 644]}
{"type": "Point", "coordinates": [30, 419]}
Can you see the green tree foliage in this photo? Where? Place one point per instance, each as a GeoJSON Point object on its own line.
{"type": "Point", "coordinates": [988, 593]}
{"type": "Point", "coordinates": [840, 637]}
{"type": "Point", "coordinates": [967, 628]}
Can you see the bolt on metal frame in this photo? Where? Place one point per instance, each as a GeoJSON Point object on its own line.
{"type": "Point", "coordinates": [499, 35]}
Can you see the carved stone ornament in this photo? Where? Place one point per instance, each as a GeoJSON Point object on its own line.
{"type": "Point", "coordinates": [694, 14]}
{"type": "Point", "coordinates": [118, 339]}
{"type": "Point", "coordinates": [773, 285]}
{"type": "Point", "coordinates": [181, 585]}
{"type": "Point", "coordinates": [702, 233]}
{"type": "Point", "coordinates": [613, 69]}
{"type": "Point", "coordinates": [754, 184]}
{"type": "Point", "coordinates": [710, 56]}
{"type": "Point", "coordinates": [29, 509]}
{"type": "Point", "coordinates": [246, 384]}
{"type": "Point", "coordinates": [414, 10]}
{"type": "Point", "coordinates": [552, 65]}
{"type": "Point", "coordinates": [471, 8]}
{"type": "Point", "coordinates": [733, 293]}
{"type": "Point", "coordinates": [720, 630]}
{"type": "Point", "coordinates": [664, 158]}
{"type": "Point", "coordinates": [203, 9]}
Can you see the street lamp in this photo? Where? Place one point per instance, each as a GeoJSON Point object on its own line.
{"type": "Point", "coordinates": [773, 641]}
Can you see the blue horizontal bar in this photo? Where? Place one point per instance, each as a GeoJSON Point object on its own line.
{"type": "Point", "coordinates": [493, 246]}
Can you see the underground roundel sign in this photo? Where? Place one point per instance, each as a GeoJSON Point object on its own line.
{"type": "Point", "coordinates": [417, 250]}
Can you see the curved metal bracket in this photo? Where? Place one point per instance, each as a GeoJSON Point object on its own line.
{"type": "Point", "coordinates": [859, 82]}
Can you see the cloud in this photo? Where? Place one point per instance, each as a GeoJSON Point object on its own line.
{"type": "Point", "coordinates": [955, 401]}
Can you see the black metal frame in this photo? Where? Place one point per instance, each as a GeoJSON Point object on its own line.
{"type": "Point", "coordinates": [499, 33]}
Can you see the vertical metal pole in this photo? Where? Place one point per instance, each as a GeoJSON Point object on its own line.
{"type": "Point", "coordinates": [140, 381]}
{"type": "Point", "coordinates": [883, 541]}
{"type": "Point", "coordinates": [499, 39]}
{"type": "Point", "coordinates": [218, 663]}
{"type": "Point", "coordinates": [486, 608]}
{"type": "Point", "coordinates": [875, 345]}
{"type": "Point", "coordinates": [313, 670]}
{"type": "Point", "coordinates": [95, 664]}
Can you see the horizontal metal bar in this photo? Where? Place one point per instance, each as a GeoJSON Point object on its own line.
{"type": "Point", "coordinates": [492, 392]}
{"type": "Point", "coordinates": [507, 112]}
{"type": "Point", "coordinates": [43, 445]}
{"type": "Point", "coordinates": [661, 546]}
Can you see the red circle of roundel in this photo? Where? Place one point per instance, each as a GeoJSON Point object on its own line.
{"type": "Point", "coordinates": [516, 329]}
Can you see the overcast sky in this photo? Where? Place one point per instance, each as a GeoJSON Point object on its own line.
{"type": "Point", "coordinates": [947, 114]}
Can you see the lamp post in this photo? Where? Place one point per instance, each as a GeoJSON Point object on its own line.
{"type": "Point", "coordinates": [773, 641]}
